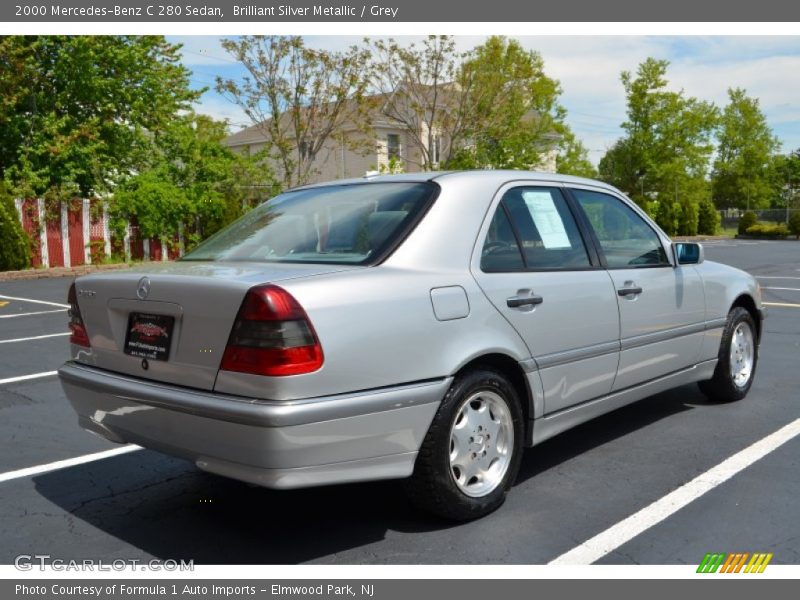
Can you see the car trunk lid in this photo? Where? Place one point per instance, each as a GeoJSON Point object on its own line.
{"type": "Point", "coordinates": [198, 301]}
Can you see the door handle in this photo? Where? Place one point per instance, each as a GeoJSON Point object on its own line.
{"type": "Point", "coordinates": [629, 291]}
{"type": "Point", "coordinates": [517, 301]}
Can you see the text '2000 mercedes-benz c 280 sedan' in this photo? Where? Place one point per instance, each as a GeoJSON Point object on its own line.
{"type": "Point", "coordinates": [424, 326]}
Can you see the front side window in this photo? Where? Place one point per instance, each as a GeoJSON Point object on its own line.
{"type": "Point", "coordinates": [541, 225]}
{"type": "Point", "coordinates": [626, 239]}
{"type": "Point", "coordinates": [335, 224]}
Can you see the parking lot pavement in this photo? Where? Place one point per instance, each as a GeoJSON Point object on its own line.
{"type": "Point", "coordinates": [570, 489]}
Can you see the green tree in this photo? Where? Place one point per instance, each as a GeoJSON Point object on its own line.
{"type": "Point", "coordinates": [78, 113]}
{"type": "Point", "coordinates": [708, 218]}
{"type": "Point", "coordinates": [786, 170]}
{"type": "Point", "coordinates": [742, 175]}
{"type": "Point", "coordinates": [298, 97]}
{"type": "Point", "coordinates": [572, 157]}
{"type": "Point", "coordinates": [192, 182]}
{"type": "Point", "coordinates": [510, 115]}
{"type": "Point", "coordinates": [15, 245]}
{"type": "Point", "coordinates": [663, 160]}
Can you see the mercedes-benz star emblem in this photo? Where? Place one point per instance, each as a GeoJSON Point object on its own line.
{"type": "Point", "coordinates": [143, 288]}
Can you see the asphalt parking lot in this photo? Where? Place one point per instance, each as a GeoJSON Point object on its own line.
{"type": "Point", "coordinates": [142, 505]}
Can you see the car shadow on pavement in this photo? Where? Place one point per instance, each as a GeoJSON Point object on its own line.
{"type": "Point", "coordinates": [168, 509]}
{"type": "Point", "coordinates": [608, 427]}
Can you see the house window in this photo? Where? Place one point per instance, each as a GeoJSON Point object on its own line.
{"type": "Point", "coordinates": [393, 146]}
{"type": "Point", "coordinates": [436, 149]}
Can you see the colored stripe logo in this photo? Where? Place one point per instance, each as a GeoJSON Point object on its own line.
{"type": "Point", "coordinates": [735, 562]}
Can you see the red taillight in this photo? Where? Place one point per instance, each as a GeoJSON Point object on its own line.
{"type": "Point", "coordinates": [78, 333]}
{"type": "Point", "coordinates": [272, 336]}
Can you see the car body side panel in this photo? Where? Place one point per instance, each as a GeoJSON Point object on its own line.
{"type": "Point", "coordinates": [662, 328]}
{"type": "Point", "coordinates": [723, 286]}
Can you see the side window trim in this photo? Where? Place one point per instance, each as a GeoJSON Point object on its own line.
{"type": "Point", "coordinates": [590, 242]}
{"type": "Point", "coordinates": [584, 219]}
{"type": "Point", "coordinates": [502, 206]}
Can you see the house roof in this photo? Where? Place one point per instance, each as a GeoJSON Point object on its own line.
{"type": "Point", "coordinates": [243, 137]}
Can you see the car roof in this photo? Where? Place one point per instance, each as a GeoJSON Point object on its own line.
{"type": "Point", "coordinates": [442, 176]}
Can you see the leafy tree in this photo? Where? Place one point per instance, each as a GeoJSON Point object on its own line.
{"type": "Point", "coordinates": [742, 175]}
{"type": "Point", "coordinates": [15, 245]}
{"type": "Point", "coordinates": [794, 224]}
{"type": "Point", "coordinates": [77, 113]}
{"type": "Point", "coordinates": [298, 97]}
{"type": "Point", "coordinates": [708, 218]}
{"type": "Point", "coordinates": [786, 170]}
{"type": "Point", "coordinates": [665, 154]}
{"type": "Point", "coordinates": [191, 181]}
{"type": "Point", "coordinates": [509, 112]}
{"type": "Point", "coordinates": [417, 91]}
{"type": "Point", "coordinates": [572, 158]}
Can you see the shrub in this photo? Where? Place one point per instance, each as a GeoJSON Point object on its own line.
{"type": "Point", "coordinates": [794, 224]}
{"type": "Point", "coordinates": [768, 230]}
{"type": "Point", "coordinates": [747, 220]}
{"type": "Point", "coordinates": [707, 219]}
{"type": "Point", "coordinates": [687, 223]}
{"type": "Point", "coordinates": [15, 245]}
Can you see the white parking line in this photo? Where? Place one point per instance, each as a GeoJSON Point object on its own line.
{"type": "Point", "coordinates": [30, 314]}
{"type": "Point", "coordinates": [627, 529]}
{"type": "Point", "coordinates": [69, 462]}
{"type": "Point", "coordinates": [26, 377]}
{"type": "Point", "coordinates": [35, 337]}
{"type": "Point", "coordinates": [34, 301]}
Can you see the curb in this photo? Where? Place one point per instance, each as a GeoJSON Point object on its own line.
{"type": "Point", "coordinates": [59, 272]}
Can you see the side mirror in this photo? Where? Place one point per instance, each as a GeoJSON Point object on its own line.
{"type": "Point", "coordinates": [688, 253]}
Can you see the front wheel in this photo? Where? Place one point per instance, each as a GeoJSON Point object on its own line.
{"type": "Point", "coordinates": [738, 356]}
{"type": "Point", "coordinates": [471, 453]}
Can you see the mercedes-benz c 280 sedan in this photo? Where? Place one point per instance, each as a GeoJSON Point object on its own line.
{"type": "Point", "coordinates": [425, 326]}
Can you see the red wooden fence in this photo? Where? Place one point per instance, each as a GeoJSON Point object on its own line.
{"type": "Point", "coordinates": [67, 238]}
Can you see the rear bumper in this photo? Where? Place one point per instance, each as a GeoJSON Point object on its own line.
{"type": "Point", "coordinates": [374, 434]}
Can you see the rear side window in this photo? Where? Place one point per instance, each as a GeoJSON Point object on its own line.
{"type": "Point", "coordinates": [542, 226]}
{"type": "Point", "coordinates": [352, 224]}
{"type": "Point", "coordinates": [626, 239]}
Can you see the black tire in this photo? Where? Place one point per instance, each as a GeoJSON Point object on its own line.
{"type": "Point", "coordinates": [721, 387]}
{"type": "Point", "coordinates": [432, 486]}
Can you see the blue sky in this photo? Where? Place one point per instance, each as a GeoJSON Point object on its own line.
{"type": "Point", "coordinates": [588, 68]}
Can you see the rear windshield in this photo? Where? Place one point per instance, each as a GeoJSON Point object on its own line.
{"type": "Point", "coordinates": [352, 224]}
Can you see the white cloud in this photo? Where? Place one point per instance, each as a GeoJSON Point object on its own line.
{"type": "Point", "coordinates": [589, 68]}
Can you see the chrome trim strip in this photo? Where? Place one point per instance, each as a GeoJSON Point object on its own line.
{"type": "Point", "coordinates": [662, 336]}
{"type": "Point", "coordinates": [633, 387]}
{"type": "Point", "coordinates": [716, 323]}
{"type": "Point", "coordinates": [247, 411]}
{"type": "Point", "coordinates": [560, 358]}
{"type": "Point", "coordinates": [528, 365]}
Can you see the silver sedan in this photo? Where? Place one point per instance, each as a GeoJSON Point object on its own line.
{"type": "Point", "coordinates": [426, 326]}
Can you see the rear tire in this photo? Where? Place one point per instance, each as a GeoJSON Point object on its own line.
{"type": "Point", "coordinates": [738, 357]}
{"type": "Point", "coordinates": [471, 454]}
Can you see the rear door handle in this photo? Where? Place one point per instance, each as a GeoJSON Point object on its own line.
{"type": "Point", "coordinates": [517, 301]}
{"type": "Point", "coordinates": [629, 291]}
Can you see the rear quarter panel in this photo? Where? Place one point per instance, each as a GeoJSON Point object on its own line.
{"type": "Point", "coordinates": [377, 328]}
